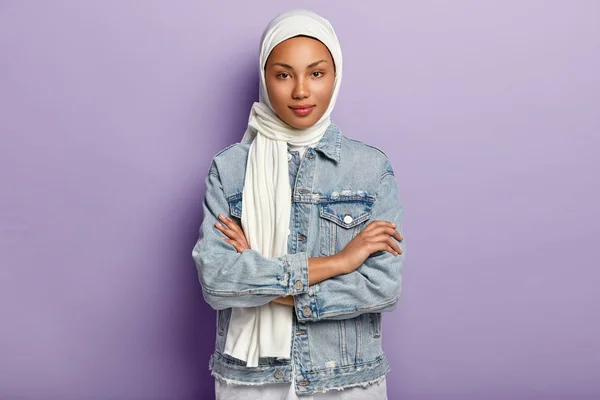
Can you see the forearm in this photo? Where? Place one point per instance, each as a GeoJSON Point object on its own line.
{"type": "Point", "coordinates": [246, 279]}
{"type": "Point", "coordinates": [323, 268]}
{"type": "Point", "coordinates": [319, 269]}
{"type": "Point", "coordinates": [373, 287]}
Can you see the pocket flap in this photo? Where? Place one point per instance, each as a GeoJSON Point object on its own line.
{"type": "Point", "coordinates": [346, 214]}
{"type": "Point", "coordinates": [235, 205]}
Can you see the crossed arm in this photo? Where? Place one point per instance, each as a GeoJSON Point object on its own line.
{"type": "Point", "coordinates": [376, 236]}
{"type": "Point", "coordinates": [364, 277]}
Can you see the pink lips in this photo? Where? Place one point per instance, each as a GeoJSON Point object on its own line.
{"type": "Point", "coordinates": [302, 110]}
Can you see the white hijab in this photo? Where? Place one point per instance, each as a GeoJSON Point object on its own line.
{"type": "Point", "coordinates": [266, 331]}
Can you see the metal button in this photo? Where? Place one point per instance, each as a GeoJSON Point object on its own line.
{"type": "Point", "coordinates": [348, 219]}
{"type": "Point", "coordinates": [278, 374]}
{"type": "Point", "coordinates": [303, 383]}
{"type": "Point", "coordinates": [289, 157]}
{"type": "Point", "coordinates": [303, 191]}
{"type": "Point", "coordinates": [306, 311]}
{"type": "Point", "coordinates": [298, 285]}
{"type": "Point", "coordinates": [301, 237]}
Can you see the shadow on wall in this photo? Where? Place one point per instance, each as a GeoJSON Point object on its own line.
{"type": "Point", "coordinates": [196, 323]}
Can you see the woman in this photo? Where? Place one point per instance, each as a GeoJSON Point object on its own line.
{"type": "Point", "coordinates": [298, 250]}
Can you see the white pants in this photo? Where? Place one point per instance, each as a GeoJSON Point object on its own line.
{"type": "Point", "coordinates": [285, 391]}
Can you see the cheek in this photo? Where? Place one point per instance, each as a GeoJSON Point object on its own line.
{"type": "Point", "coordinates": [324, 91]}
{"type": "Point", "coordinates": [277, 93]}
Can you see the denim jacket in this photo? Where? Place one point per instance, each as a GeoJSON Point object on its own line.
{"type": "Point", "coordinates": [338, 187]}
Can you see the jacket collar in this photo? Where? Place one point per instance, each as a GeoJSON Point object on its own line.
{"type": "Point", "coordinates": [331, 142]}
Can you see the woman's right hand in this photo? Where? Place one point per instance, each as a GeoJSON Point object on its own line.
{"type": "Point", "coordinates": [377, 236]}
{"type": "Point", "coordinates": [235, 234]}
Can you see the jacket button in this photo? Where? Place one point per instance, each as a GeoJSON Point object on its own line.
{"type": "Point", "coordinates": [303, 383]}
{"type": "Point", "coordinates": [348, 219]}
{"type": "Point", "coordinates": [289, 157]}
{"type": "Point", "coordinates": [306, 311]}
{"type": "Point", "coordinates": [298, 285]}
{"type": "Point", "coordinates": [278, 374]}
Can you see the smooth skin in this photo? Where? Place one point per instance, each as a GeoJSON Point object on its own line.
{"type": "Point", "coordinates": [301, 71]}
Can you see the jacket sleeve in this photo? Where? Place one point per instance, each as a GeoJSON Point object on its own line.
{"type": "Point", "coordinates": [247, 279]}
{"type": "Point", "coordinates": [375, 285]}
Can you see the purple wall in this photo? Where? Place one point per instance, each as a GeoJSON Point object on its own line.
{"type": "Point", "coordinates": [110, 112]}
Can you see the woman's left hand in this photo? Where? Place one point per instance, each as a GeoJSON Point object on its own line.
{"type": "Point", "coordinates": [235, 234]}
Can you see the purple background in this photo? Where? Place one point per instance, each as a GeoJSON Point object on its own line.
{"type": "Point", "coordinates": [110, 112]}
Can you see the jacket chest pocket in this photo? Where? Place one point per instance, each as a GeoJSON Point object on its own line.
{"type": "Point", "coordinates": [235, 205]}
{"type": "Point", "coordinates": [340, 221]}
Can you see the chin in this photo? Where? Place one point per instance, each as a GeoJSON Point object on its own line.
{"type": "Point", "coordinates": [301, 123]}
{"type": "Point", "coordinates": [302, 126]}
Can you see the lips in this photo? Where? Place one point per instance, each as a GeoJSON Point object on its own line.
{"type": "Point", "coordinates": [302, 110]}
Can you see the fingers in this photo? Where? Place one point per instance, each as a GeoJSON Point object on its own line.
{"type": "Point", "coordinates": [395, 234]}
{"type": "Point", "coordinates": [394, 245]}
{"type": "Point", "coordinates": [377, 224]}
{"type": "Point", "coordinates": [391, 251]}
{"type": "Point", "coordinates": [228, 223]}
{"type": "Point", "coordinates": [381, 246]}
{"type": "Point", "coordinates": [381, 229]}
{"type": "Point", "coordinates": [377, 227]}
{"type": "Point", "coordinates": [225, 230]}
{"type": "Point", "coordinates": [235, 244]}
{"type": "Point", "coordinates": [387, 230]}
{"type": "Point", "coordinates": [229, 228]}
{"type": "Point", "coordinates": [385, 241]}
{"type": "Point", "coordinates": [235, 234]}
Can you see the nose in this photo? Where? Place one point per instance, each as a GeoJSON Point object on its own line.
{"type": "Point", "coordinates": [301, 90]}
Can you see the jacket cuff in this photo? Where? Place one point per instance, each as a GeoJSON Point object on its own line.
{"type": "Point", "coordinates": [306, 306]}
{"type": "Point", "coordinates": [296, 272]}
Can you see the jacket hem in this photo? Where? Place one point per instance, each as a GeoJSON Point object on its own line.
{"type": "Point", "coordinates": [307, 381]}
{"type": "Point", "coordinates": [363, 375]}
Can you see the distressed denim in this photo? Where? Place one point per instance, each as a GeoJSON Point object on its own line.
{"type": "Point", "coordinates": [338, 187]}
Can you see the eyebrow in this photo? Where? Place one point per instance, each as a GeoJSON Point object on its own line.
{"type": "Point", "coordinates": [289, 67]}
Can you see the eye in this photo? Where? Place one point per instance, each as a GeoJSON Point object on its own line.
{"type": "Point", "coordinates": [317, 74]}
{"type": "Point", "coordinates": [283, 75]}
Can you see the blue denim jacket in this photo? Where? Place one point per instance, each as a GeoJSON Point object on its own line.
{"type": "Point", "coordinates": [338, 187]}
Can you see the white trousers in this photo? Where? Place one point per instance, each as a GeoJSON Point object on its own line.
{"type": "Point", "coordinates": [285, 391]}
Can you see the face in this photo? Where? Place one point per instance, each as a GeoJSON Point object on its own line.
{"type": "Point", "coordinates": [299, 75]}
